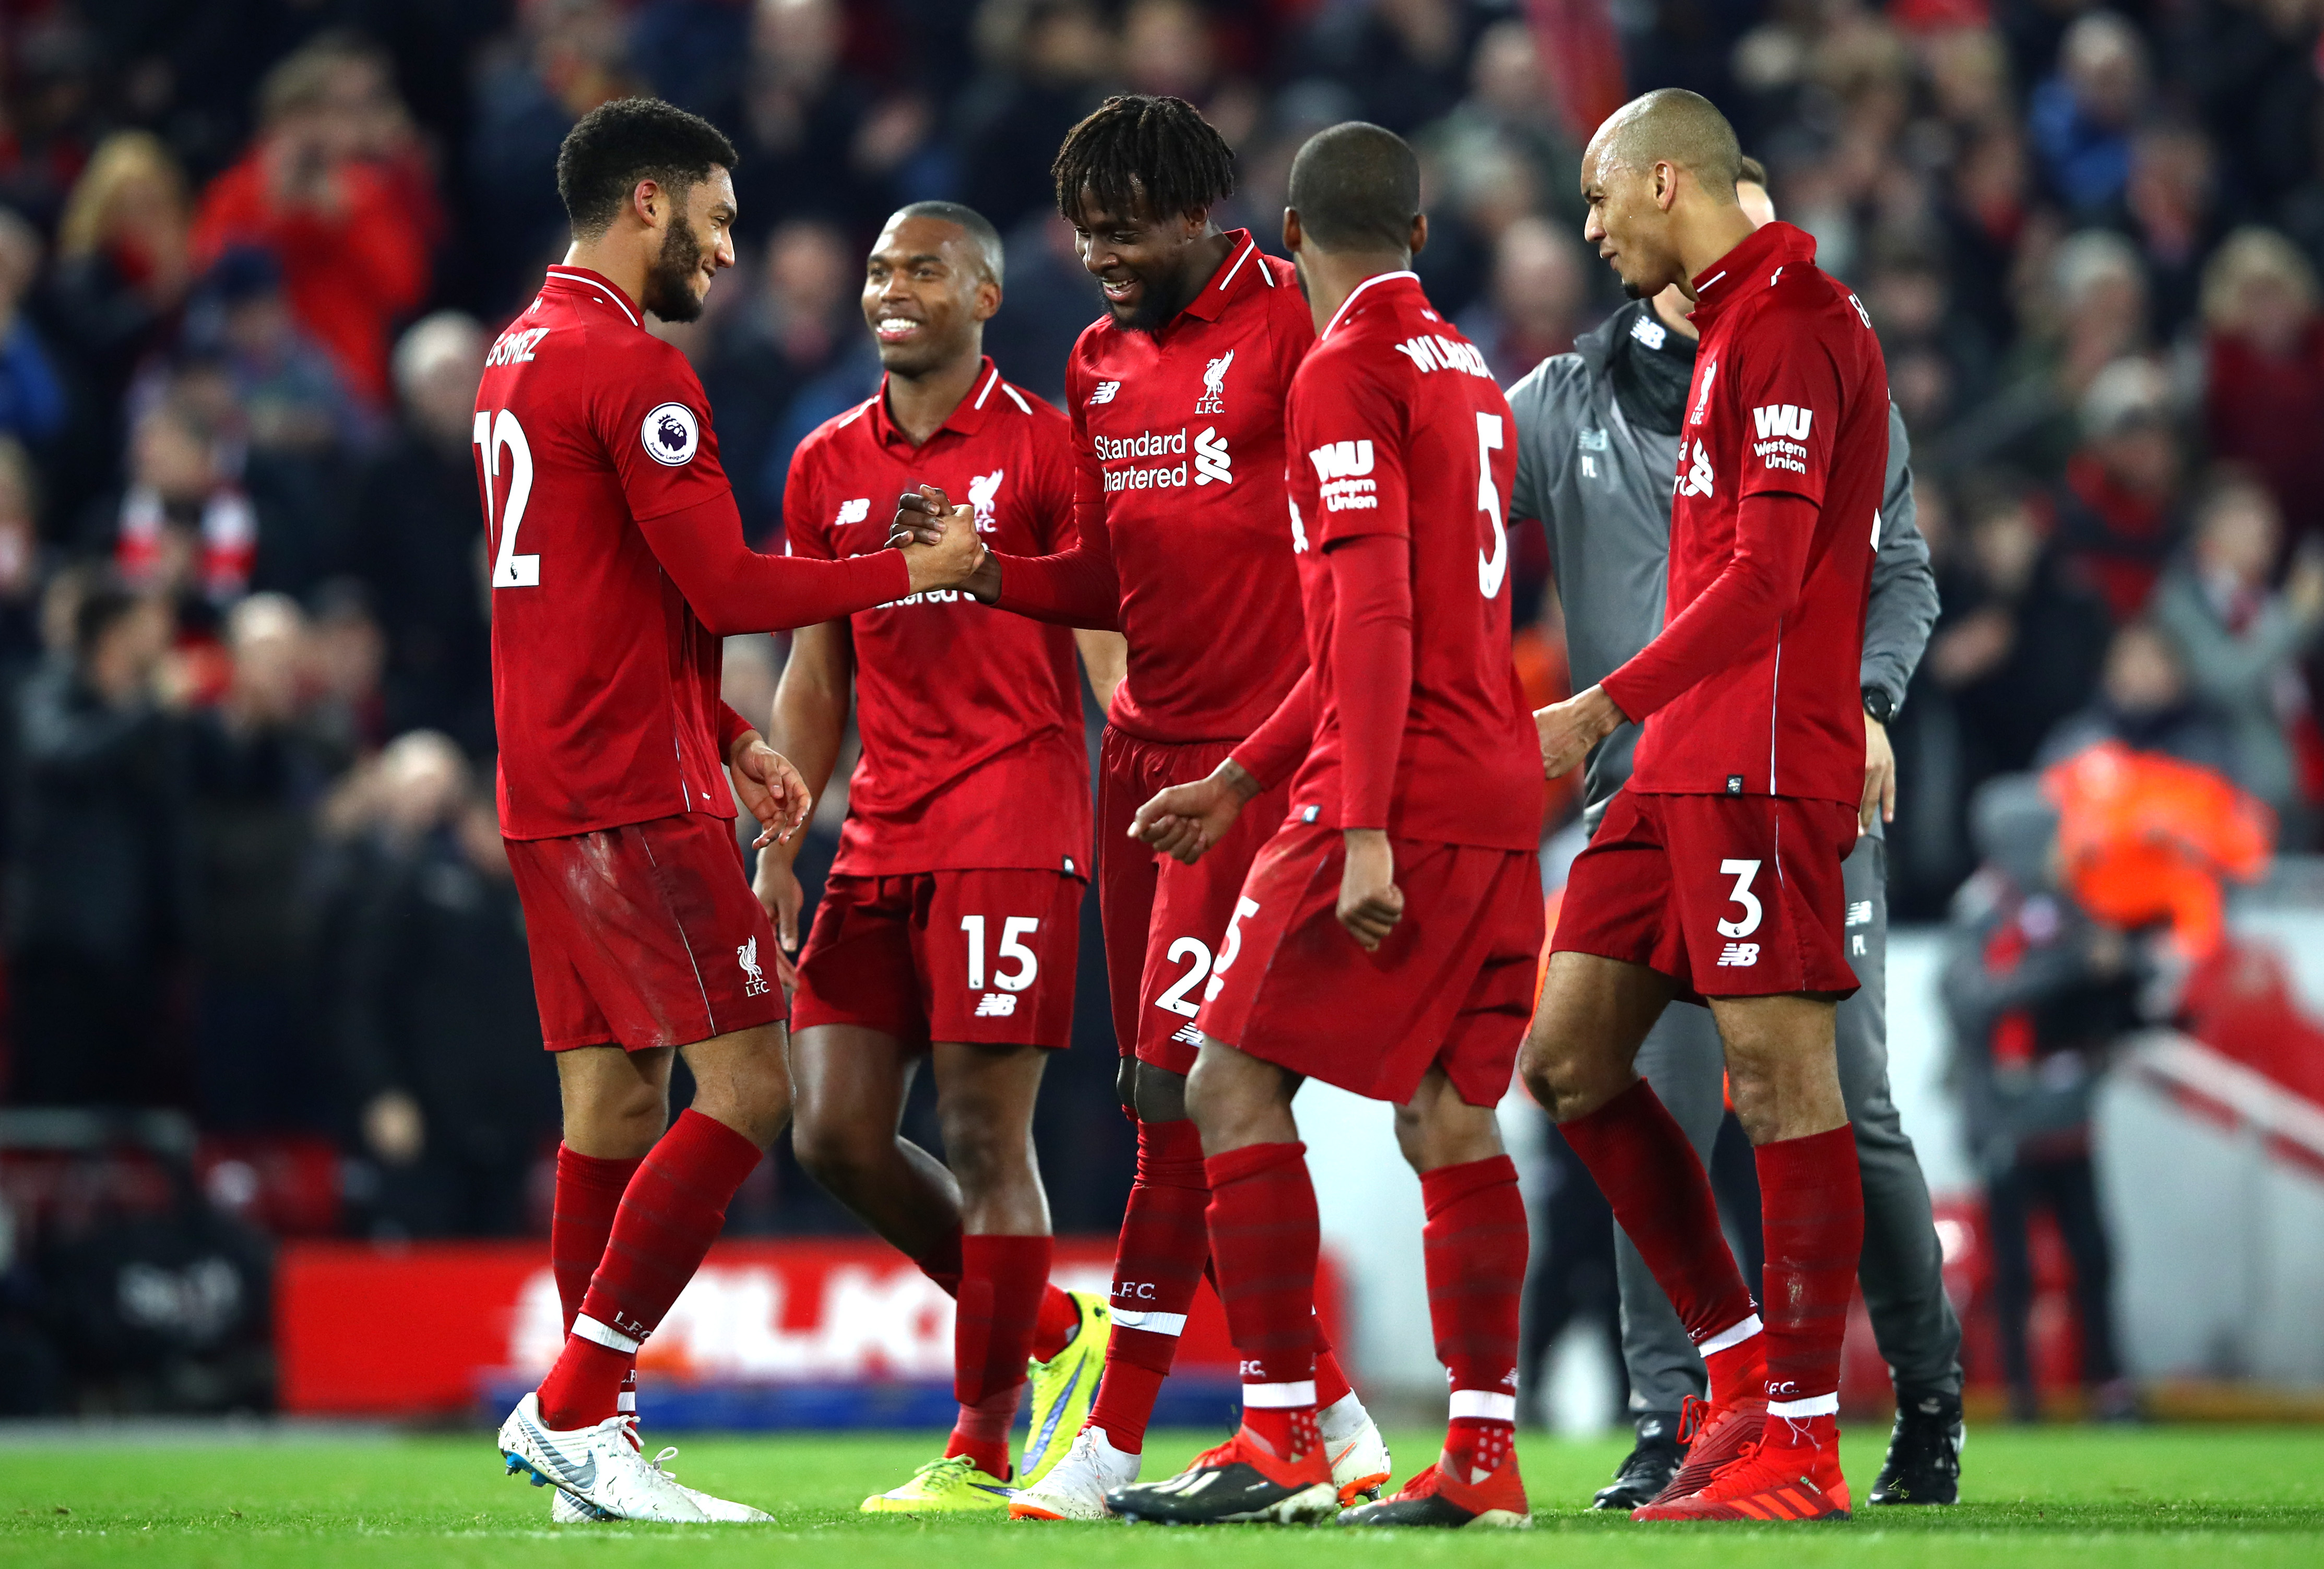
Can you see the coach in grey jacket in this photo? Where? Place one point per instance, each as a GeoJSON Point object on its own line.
{"type": "Point", "coordinates": [1598, 433]}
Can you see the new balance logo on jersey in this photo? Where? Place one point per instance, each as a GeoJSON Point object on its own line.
{"type": "Point", "coordinates": [1104, 391]}
{"type": "Point", "coordinates": [1343, 467]}
{"type": "Point", "coordinates": [853, 512]}
{"type": "Point", "coordinates": [1738, 955]}
{"type": "Point", "coordinates": [997, 1005]}
{"type": "Point", "coordinates": [1212, 461]}
{"type": "Point", "coordinates": [1214, 377]}
{"type": "Point", "coordinates": [1696, 480]}
{"type": "Point", "coordinates": [755, 978]}
{"type": "Point", "coordinates": [981, 489]}
{"type": "Point", "coordinates": [1445, 354]}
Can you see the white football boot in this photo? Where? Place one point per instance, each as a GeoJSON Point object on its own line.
{"type": "Point", "coordinates": [597, 1467]}
{"type": "Point", "coordinates": [1360, 1459]}
{"type": "Point", "coordinates": [565, 1510]}
{"type": "Point", "coordinates": [1075, 1488]}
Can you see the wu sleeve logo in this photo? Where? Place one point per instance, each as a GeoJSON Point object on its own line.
{"type": "Point", "coordinates": [1342, 467]}
{"type": "Point", "coordinates": [1214, 379]}
{"type": "Point", "coordinates": [671, 434]}
{"type": "Point", "coordinates": [1782, 434]}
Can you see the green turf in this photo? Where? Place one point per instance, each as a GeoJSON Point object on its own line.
{"type": "Point", "coordinates": [2218, 1497]}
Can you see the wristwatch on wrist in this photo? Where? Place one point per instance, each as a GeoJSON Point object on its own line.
{"type": "Point", "coordinates": [1879, 706]}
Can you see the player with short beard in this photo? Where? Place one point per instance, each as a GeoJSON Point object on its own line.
{"type": "Point", "coordinates": [617, 567]}
{"type": "Point", "coordinates": [1184, 545]}
{"type": "Point", "coordinates": [949, 925]}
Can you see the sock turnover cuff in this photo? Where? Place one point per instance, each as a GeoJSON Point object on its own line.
{"type": "Point", "coordinates": [1252, 1160]}
{"type": "Point", "coordinates": [1446, 1185]}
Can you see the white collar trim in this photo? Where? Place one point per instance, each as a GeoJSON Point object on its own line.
{"type": "Point", "coordinates": [1358, 289]}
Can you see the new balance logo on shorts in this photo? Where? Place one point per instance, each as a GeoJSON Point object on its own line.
{"type": "Point", "coordinates": [1739, 956]}
{"type": "Point", "coordinates": [1188, 1034]}
{"type": "Point", "coordinates": [997, 1005]}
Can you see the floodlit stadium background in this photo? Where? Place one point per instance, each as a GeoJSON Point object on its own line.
{"type": "Point", "coordinates": [270, 1057]}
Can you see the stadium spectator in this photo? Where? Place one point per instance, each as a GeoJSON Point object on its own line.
{"type": "Point", "coordinates": [351, 243]}
{"type": "Point", "coordinates": [1511, 107]}
{"type": "Point", "coordinates": [181, 527]}
{"type": "Point", "coordinates": [123, 269]}
{"type": "Point", "coordinates": [286, 388]}
{"type": "Point", "coordinates": [788, 334]}
{"type": "Point", "coordinates": [2263, 369]}
{"type": "Point", "coordinates": [2241, 641]}
{"type": "Point", "coordinates": [1041, 64]}
{"type": "Point", "coordinates": [1406, 61]}
{"type": "Point", "coordinates": [2167, 207]}
{"type": "Point", "coordinates": [20, 566]}
{"type": "Point", "coordinates": [2038, 993]}
{"type": "Point", "coordinates": [417, 537]}
{"type": "Point", "coordinates": [31, 400]}
{"type": "Point", "coordinates": [2144, 701]}
{"type": "Point", "coordinates": [2118, 509]}
{"type": "Point", "coordinates": [1535, 301]}
{"type": "Point", "coordinates": [440, 1038]}
{"type": "Point", "coordinates": [257, 767]}
{"type": "Point", "coordinates": [100, 891]}
{"type": "Point", "coordinates": [2082, 119]}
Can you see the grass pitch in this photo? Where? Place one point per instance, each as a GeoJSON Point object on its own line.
{"type": "Point", "coordinates": [2209, 1496]}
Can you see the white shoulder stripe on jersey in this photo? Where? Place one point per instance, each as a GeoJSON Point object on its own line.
{"type": "Point", "coordinates": [1022, 406]}
{"type": "Point", "coordinates": [1246, 255]}
{"type": "Point", "coordinates": [613, 294]}
{"type": "Point", "coordinates": [991, 382]}
{"type": "Point", "coordinates": [857, 412]}
{"type": "Point", "coordinates": [1358, 289]}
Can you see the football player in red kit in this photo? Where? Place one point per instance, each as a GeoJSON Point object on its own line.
{"type": "Point", "coordinates": [1386, 939]}
{"type": "Point", "coordinates": [1716, 874]}
{"type": "Point", "coordinates": [617, 564]}
{"type": "Point", "coordinates": [1176, 400]}
{"type": "Point", "coordinates": [949, 924]}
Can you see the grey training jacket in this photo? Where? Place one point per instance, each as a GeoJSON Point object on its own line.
{"type": "Point", "coordinates": [1601, 486]}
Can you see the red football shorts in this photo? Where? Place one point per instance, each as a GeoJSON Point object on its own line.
{"type": "Point", "coordinates": [1731, 896]}
{"type": "Point", "coordinates": [1452, 987]}
{"type": "Point", "coordinates": [1163, 921]}
{"type": "Point", "coordinates": [976, 955]}
{"type": "Point", "coordinates": [645, 935]}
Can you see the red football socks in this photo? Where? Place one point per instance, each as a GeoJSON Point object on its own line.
{"type": "Point", "coordinates": [588, 1192]}
{"type": "Point", "coordinates": [1054, 1324]}
{"type": "Point", "coordinates": [1659, 1193]}
{"type": "Point", "coordinates": [668, 1217]}
{"type": "Point", "coordinates": [1474, 1245]}
{"type": "Point", "coordinates": [1002, 1282]}
{"type": "Point", "coordinates": [1811, 1209]}
{"type": "Point", "coordinates": [1165, 1243]}
{"type": "Point", "coordinates": [1264, 1241]}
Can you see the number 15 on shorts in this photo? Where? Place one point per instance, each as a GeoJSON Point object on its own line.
{"type": "Point", "coordinates": [1741, 955]}
{"type": "Point", "coordinates": [1014, 929]}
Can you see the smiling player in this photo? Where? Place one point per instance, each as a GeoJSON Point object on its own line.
{"type": "Point", "coordinates": [950, 923]}
{"type": "Point", "coordinates": [1176, 398]}
{"type": "Point", "coordinates": [617, 566]}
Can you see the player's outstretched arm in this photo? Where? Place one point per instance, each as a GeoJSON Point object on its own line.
{"type": "Point", "coordinates": [1731, 620]}
{"type": "Point", "coordinates": [735, 589]}
{"type": "Point", "coordinates": [1076, 587]}
{"type": "Point", "coordinates": [808, 720]}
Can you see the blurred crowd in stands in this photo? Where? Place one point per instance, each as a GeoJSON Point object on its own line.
{"type": "Point", "coordinates": [252, 252]}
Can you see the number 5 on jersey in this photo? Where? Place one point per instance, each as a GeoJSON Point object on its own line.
{"type": "Point", "coordinates": [492, 437]}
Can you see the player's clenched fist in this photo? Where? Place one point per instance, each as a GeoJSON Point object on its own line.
{"type": "Point", "coordinates": [1370, 904]}
{"type": "Point", "coordinates": [1571, 728]}
{"type": "Point", "coordinates": [1186, 820]}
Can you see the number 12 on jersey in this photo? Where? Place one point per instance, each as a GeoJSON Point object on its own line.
{"type": "Point", "coordinates": [495, 437]}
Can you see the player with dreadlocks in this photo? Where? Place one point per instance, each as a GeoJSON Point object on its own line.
{"type": "Point", "coordinates": [1184, 545]}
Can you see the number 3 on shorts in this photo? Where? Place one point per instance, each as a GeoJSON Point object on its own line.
{"type": "Point", "coordinates": [1743, 872]}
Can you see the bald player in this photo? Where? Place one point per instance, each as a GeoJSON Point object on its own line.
{"type": "Point", "coordinates": [1715, 876]}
